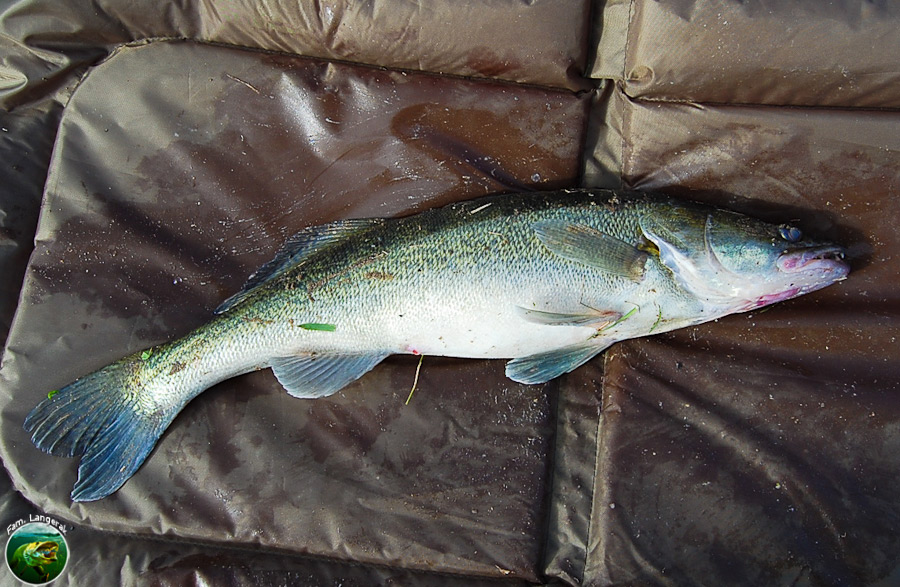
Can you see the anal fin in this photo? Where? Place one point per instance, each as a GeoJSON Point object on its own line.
{"type": "Point", "coordinates": [543, 367]}
{"type": "Point", "coordinates": [320, 375]}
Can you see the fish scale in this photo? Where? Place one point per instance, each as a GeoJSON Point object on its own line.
{"type": "Point", "coordinates": [548, 280]}
{"type": "Point", "coordinates": [416, 268]}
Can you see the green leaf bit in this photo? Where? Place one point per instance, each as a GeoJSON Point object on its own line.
{"type": "Point", "coordinates": [658, 318]}
{"type": "Point", "coordinates": [319, 327]}
{"type": "Point", "coordinates": [617, 322]}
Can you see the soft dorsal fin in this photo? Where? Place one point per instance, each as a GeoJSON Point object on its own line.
{"type": "Point", "coordinates": [589, 246]}
{"type": "Point", "coordinates": [298, 247]}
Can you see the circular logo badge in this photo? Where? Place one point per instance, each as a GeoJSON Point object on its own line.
{"type": "Point", "coordinates": [36, 553]}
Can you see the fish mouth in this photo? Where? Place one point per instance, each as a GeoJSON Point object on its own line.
{"type": "Point", "coordinates": [824, 262]}
{"type": "Point", "coordinates": [810, 269]}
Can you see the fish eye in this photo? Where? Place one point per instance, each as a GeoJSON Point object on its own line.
{"type": "Point", "coordinates": [791, 234]}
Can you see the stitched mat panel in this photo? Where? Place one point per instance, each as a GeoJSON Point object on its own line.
{"type": "Point", "coordinates": [159, 208]}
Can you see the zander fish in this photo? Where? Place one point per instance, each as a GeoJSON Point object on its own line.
{"type": "Point", "coordinates": [548, 280]}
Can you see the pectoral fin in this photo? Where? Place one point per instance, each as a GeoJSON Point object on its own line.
{"type": "Point", "coordinates": [589, 246]}
{"type": "Point", "coordinates": [314, 376]}
{"type": "Point", "coordinates": [594, 318]}
{"type": "Point", "coordinates": [543, 367]}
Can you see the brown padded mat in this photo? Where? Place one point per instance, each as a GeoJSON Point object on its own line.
{"type": "Point", "coordinates": [45, 42]}
{"type": "Point", "coordinates": [26, 141]}
{"type": "Point", "coordinates": [760, 449]}
{"type": "Point", "coordinates": [824, 54]}
{"type": "Point", "coordinates": [127, 257]}
{"type": "Point", "coordinates": [772, 434]}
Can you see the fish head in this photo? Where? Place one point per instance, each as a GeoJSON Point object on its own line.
{"type": "Point", "coordinates": [43, 552]}
{"type": "Point", "coordinates": [738, 263]}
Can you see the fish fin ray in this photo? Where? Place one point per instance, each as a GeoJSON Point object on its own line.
{"type": "Point", "coordinates": [543, 367]}
{"type": "Point", "coordinates": [589, 246]}
{"type": "Point", "coordinates": [99, 419]}
{"type": "Point", "coordinates": [298, 247]}
{"type": "Point", "coordinates": [597, 319]}
{"type": "Point", "coordinates": [314, 376]}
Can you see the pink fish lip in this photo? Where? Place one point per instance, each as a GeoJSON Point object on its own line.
{"type": "Point", "coordinates": [827, 262]}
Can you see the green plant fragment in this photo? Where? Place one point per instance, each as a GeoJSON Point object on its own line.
{"type": "Point", "coordinates": [319, 327]}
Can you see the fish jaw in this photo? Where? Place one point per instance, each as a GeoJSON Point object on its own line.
{"type": "Point", "coordinates": [824, 261]}
{"type": "Point", "coordinates": [803, 271]}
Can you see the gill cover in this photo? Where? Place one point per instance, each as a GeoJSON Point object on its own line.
{"type": "Point", "coordinates": [710, 254]}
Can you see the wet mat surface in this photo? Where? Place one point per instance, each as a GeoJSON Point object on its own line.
{"type": "Point", "coordinates": [126, 257]}
{"type": "Point", "coordinates": [759, 449]}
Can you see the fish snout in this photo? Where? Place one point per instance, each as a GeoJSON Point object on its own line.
{"type": "Point", "coordinates": [824, 262]}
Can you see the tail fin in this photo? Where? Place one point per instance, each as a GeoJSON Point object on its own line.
{"type": "Point", "coordinates": [106, 419]}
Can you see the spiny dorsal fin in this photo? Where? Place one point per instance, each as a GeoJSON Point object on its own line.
{"type": "Point", "coordinates": [298, 247]}
{"type": "Point", "coordinates": [589, 246]}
